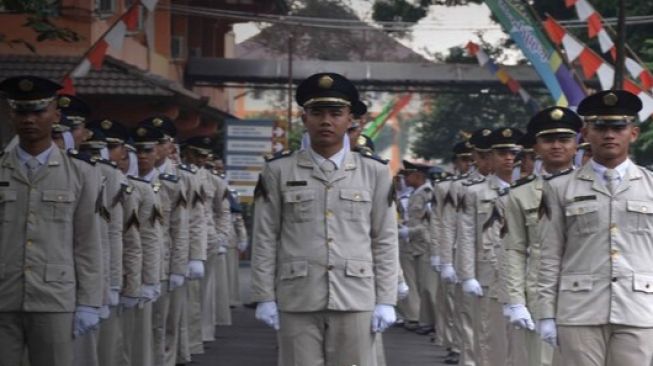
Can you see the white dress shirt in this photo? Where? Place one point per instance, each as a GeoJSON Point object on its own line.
{"type": "Point", "coordinates": [600, 170]}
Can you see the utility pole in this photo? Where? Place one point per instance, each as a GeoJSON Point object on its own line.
{"type": "Point", "coordinates": [290, 77]}
{"type": "Point", "coordinates": [621, 42]}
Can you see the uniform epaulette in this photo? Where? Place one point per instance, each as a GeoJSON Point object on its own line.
{"type": "Point", "coordinates": [461, 177]}
{"type": "Point", "coordinates": [369, 155]}
{"type": "Point", "coordinates": [558, 174]}
{"type": "Point", "coordinates": [83, 157]}
{"type": "Point", "coordinates": [126, 188]}
{"type": "Point", "coordinates": [522, 181]}
{"type": "Point", "coordinates": [279, 155]}
{"type": "Point", "coordinates": [169, 177]}
{"type": "Point", "coordinates": [188, 168]}
{"type": "Point", "coordinates": [216, 173]}
{"type": "Point", "coordinates": [474, 181]}
{"type": "Point", "coordinates": [110, 163]}
{"type": "Point", "coordinates": [137, 179]}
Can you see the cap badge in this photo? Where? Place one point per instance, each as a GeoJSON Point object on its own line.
{"type": "Point", "coordinates": [141, 132]}
{"type": "Point", "coordinates": [325, 82]}
{"type": "Point", "coordinates": [157, 122]}
{"type": "Point", "coordinates": [468, 145]}
{"type": "Point", "coordinates": [25, 85]}
{"type": "Point", "coordinates": [507, 132]}
{"type": "Point", "coordinates": [610, 99]}
{"type": "Point", "coordinates": [361, 140]}
{"type": "Point", "coordinates": [206, 140]}
{"type": "Point", "coordinates": [106, 124]}
{"type": "Point", "coordinates": [64, 102]}
{"type": "Point", "coordinates": [557, 114]}
{"type": "Point", "coordinates": [486, 132]}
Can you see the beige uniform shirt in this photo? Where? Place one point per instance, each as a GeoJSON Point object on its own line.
{"type": "Point", "coordinates": [174, 207]}
{"type": "Point", "coordinates": [449, 216]}
{"type": "Point", "coordinates": [419, 216]}
{"type": "Point", "coordinates": [149, 219]}
{"type": "Point", "coordinates": [220, 207]}
{"type": "Point", "coordinates": [325, 243]}
{"type": "Point", "coordinates": [132, 254]}
{"type": "Point", "coordinates": [436, 224]}
{"type": "Point", "coordinates": [597, 250]}
{"type": "Point", "coordinates": [50, 244]}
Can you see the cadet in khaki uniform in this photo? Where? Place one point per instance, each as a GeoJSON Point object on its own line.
{"type": "Point", "coordinates": [409, 307]}
{"type": "Point", "coordinates": [416, 232]}
{"type": "Point", "coordinates": [325, 258]}
{"type": "Point", "coordinates": [554, 129]}
{"type": "Point", "coordinates": [51, 277]}
{"type": "Point", "coordinates": [238, 243]}
{"type": "Point", "coordinates": [479, 245]}
{"type": "Point", "coordinates": [595, 284]}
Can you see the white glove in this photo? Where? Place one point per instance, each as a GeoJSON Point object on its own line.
{"type": "Point", "coordinates": [222, 249]}
{"type": "Point", "coordinates": [472, 287]}
{"type": "Point", "coordinates": [268, 313]}
{"type": "Point", "coordinates": [435, 263]}
{"type": "Point", "coordinates": [128, 302]}
{"type": "Point", "coordinates": [242, 246]}
{"type": "Point", "coordinates": [383, 317]}
{"type": "Point", "coordinates": [149, 293]}
{"type": "Point", "coordinates": [86, 319]}
{"type": "Point", "coordinates": [448, 273]}
{"type": "Point", "coordinates": [114, 297]}
{"type": "Point", "coordinates": [520, 317]}
{"type": "Point", "coordinates": [402, 290]}
{"type": "Point", "coordinates": [403, 232]}
{"type": "Point", "coordinates": [548, 331]}
{"type": "Point", "coordinates": [105, 312]}
{"type": "Point", "coordinates": [195, 269]}
{"type": "Point", "coordinates": [175, 281]}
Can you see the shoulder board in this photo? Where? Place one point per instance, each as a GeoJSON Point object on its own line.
{"type": "Point", "coordinates": [108, 162]}
{"type": "Point", "coordinates": [461, 177]}
{"type": "Point", "coordinates": [279, 155]}
{"type": "Point", "coordinates": [522, 181]}
{"type": "Point", "coordinates": [428, 189]}
{"type": "Point", "coordinates": [369, 155]}
{"type": "Point", "coordinates": [126, 188]}
{"type": "Point", "coordinates": [188, 168]}
{"type": "Point", "coordinates": [474, 181]}
{"type": "Point", "coordinates": [169, 177]}
{"type": "Point", "coordinates": [559, 174]}
{"type": "Point", "coordinates": [83, 157]}
{"type": "Point", "coordinates": [215, 172]}
{"type": "Point", "coordinates": [137, 179]}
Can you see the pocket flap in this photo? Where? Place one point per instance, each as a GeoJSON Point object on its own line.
{"type": "Point", "coordinates": [290, 270]}
{"type": "Point", "coordinates": [298, 196]}
{"type": "Point", "coordinates": [357, 195]}
{"type": "Point", "coordinates": [576, 283]}
{"type": "Point", "coordinates": [58, 196]}
{"type": "Point", "coordinates": [7, 195]}
{"type": "Point", "coordinates": [643, 283]}
{"type": "Point", "coordinates": [59, 273]}
{"type": "Point", "coordinates": [640, 207]}
{"type": "Point", "coordinates": [359, 268]}
{"type": "Point", "coordinates": [581, 209]}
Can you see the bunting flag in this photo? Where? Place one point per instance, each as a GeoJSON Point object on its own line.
{"type": "Point", "coordinates": [389, 111]}
{"type": "Point", "coordinates": [595, 28]}
{"type": "Point", "coordinates": [500, 72]}
{"type": "Point", "coordinates": [548, 64]}
{"type": "Point", "coordinates": [593, 64]}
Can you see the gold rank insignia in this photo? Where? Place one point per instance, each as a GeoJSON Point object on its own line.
{"type": "Point", "coordinates": [106, 124]}
{"type": "Point", "coordinates": [25, 85]}
{"type": "Point", "coordinates": [64, 102]}
{"type": "Point", "coordinates": [610, 99]}
{"type": "Point", "coordinates": [325, 82]}
{"type": "Point", "coordinates": [556, 114]}
{"type": "Point", "coordinates": [157, 122]}
{"type": "Point", "coordinates": [141, 132]}
{"type": "Point", "coordinates": [486, 132]}
{"type": "Point", "coordinates": [507, 132]}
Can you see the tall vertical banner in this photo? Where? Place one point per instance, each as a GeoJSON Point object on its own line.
{"type": "Point", "coordinates": [548, 64]}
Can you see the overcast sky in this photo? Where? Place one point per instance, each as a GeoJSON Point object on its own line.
{"type": "Point", "coordinates": [442, 28]}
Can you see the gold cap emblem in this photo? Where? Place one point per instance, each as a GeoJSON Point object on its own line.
{"type": "Point", "coordinates": [486, 132]}
{"type": "Point", "coordinates": [206, 140]}
{"type": "Point", "coordinates": [468, 145]}
{"type": "Point", "coordinates": [507, 132]}
{"type": "Point", "coordinates": [557, 114]}
{"type": "Point", "coordinates": [325, 82]}
{"type": "Point", "coordinates": [361, 140]}
{"type": "Point", "coordinates": [64, 102]}
{"type": "Point", "coordinates": [106, 124]}
{"type": "Point", "coordinates": [141, 132]}
{"type": "Point", "coordinates": [25, 85]}
{"type": "Point", "coordinates": [157, 122]}
{"type": "Point", "coordinates": [610, 99]}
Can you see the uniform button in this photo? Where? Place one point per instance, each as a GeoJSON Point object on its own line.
{"type": "Point", "coordinates": [329, 213]}
{"type": "Point", "coordinates": [328, 188]}
{"type": "Point", "coordinates": [330, 241]}
{"type": "Point", "coordinates": [292, 271]}
{"type": "Point", "coordinates": [329, 267]}
{"type": "Point", "coordinates": [644, 208]}
{"type": "Point", "coordinates": [29, 242]}
{"type": "Point", "coordinates": [28, 268]}
{"type": "Point", "coordinates": [614, 253]}
{"type": "Point", "coordinates": [614, 279]}
{"type": "Point", "coordinates": [362, 270]}
{"type": "Point", "coordinates": [647, 285]}
{"type": "Point", "coordinates": [357, 197]}
{"type": "Point", "coordinates": [575, 284]}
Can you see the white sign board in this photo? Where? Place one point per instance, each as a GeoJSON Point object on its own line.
{"type": "Point", "coordinates": [249, 131]}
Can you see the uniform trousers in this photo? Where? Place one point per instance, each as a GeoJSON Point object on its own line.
{"type": "Point", "coordinates": [380, 350]}
{"type": "Point", "coordinates": [605, 345]}
{"type": "Point", "coordinates": [208, 305]}
{"type": "Point", "coordinates": [85, 348]}
{"type": "Point", "coordinates": [174, 323]}
{"type": "Point", "coordinates": [222, 291]}
{"type": "Point", "coordinates": [47, 336]}
{"type": "Point", "coordinates": [409, 307]}
{"type": "Point", "coordinates": [491, 331]}
{"type": "Point", "coordinates": [160, 310]}
{"type": "Point", "coordinates": [110, 342]}
{"type": "Point", "coordinates": [466, 310]}
{"type": "Point", "coordinates": [539, 352]}
{"type": "Point", "coordinates": [233, 263]}
{"type": "Point", "coordinates": [446, 318]}
{"type": "Point", "coordinates": [326, 338]}
{"type": "Point", "coordinates": [427, 285]}
{"type": "Point", "coordinates": [517, 350]}
{"type": "Point", "coordinates": [142, 348]}
{"type": "Point", "coordinates": [194, 317]}
{"type": "Point", "coordinates": [127, 322]}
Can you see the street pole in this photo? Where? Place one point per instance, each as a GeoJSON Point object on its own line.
{"type": "Point", "coordinates": [621, 42]}
{"type": "Point", "coordinates": [290, 51]}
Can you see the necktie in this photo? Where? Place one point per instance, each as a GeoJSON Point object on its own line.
{"type": "Point", "coordinates": [32, 166]}
{"type": "Point", "coordinates": [328, 167]}
{"type": "Point", "coordinates": [611, 179]}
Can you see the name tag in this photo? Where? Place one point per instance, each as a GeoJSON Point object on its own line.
{"type": "Point", "coordinates": [4, 184]}
{"type": "Point", "coordinates": [296, 183]}
{"type": "Point", "coordinates": [584, 198]}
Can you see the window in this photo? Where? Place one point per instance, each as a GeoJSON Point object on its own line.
{"type": "Point", "coordinates": [178, 48]}
{"type": "Point", "coordinates": [105, 7]}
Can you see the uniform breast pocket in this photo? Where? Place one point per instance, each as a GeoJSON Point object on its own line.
{"type": "Point", "coordinates": [357, 203]}
{"type": "Point", "coordinates": [582, 218]}
{"type": "Point", "coordinates": [59, 206]}
{"type": "Point", "coordinates": [639, 218]}
{"type": "Point", "coordinates": [7, 205]}
{"type": "Point", "coordinates": [300, 205]}
{"type": "Point", "coordinates": [531, 221]}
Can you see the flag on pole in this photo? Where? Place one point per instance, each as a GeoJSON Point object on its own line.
{"type": "Point", "coordinates": [388, 112]}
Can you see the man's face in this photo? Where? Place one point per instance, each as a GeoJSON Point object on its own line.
{"type": "Point", "coordinates": [327, 125]}
{"type": "Point", "coordinates": [556, 149]}
{"type": "Point", "coordinates": [33, 127]}
{"type": "Point", "coordinates": [117, 152]}
{"type": "Point", "coordinates": [503, 161]}
{"type": "Point", "coordinates": [610, 142]}
{"type": "Point", "coordinates": [527, 163]}
{"type": "Point", "coordinates": [219, 166]}
{"type": "Point", "coordinates": [123, 164]}
{"type": "Point", "coordinates": [414, 179]}
{"type": "Point", "coordinates": [463, 163]}
{"type": "Point", "coordinates": [482, 161]}
{"type": "Point", "coordinates": [146, 160]}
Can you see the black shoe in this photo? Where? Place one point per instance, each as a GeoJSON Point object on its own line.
{"type": "Point", "coordinates": [411, 325]}
{"type": "Point", "coordinates": [452, 358]}
{"type": "Point", "coordinates": [424, 330]}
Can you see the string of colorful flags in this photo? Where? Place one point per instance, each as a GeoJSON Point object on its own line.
{"type": "Point", "coordinates": [388, 112]}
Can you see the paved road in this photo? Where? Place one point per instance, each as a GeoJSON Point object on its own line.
{"type": "Point", "coordinates": [250, 343]}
